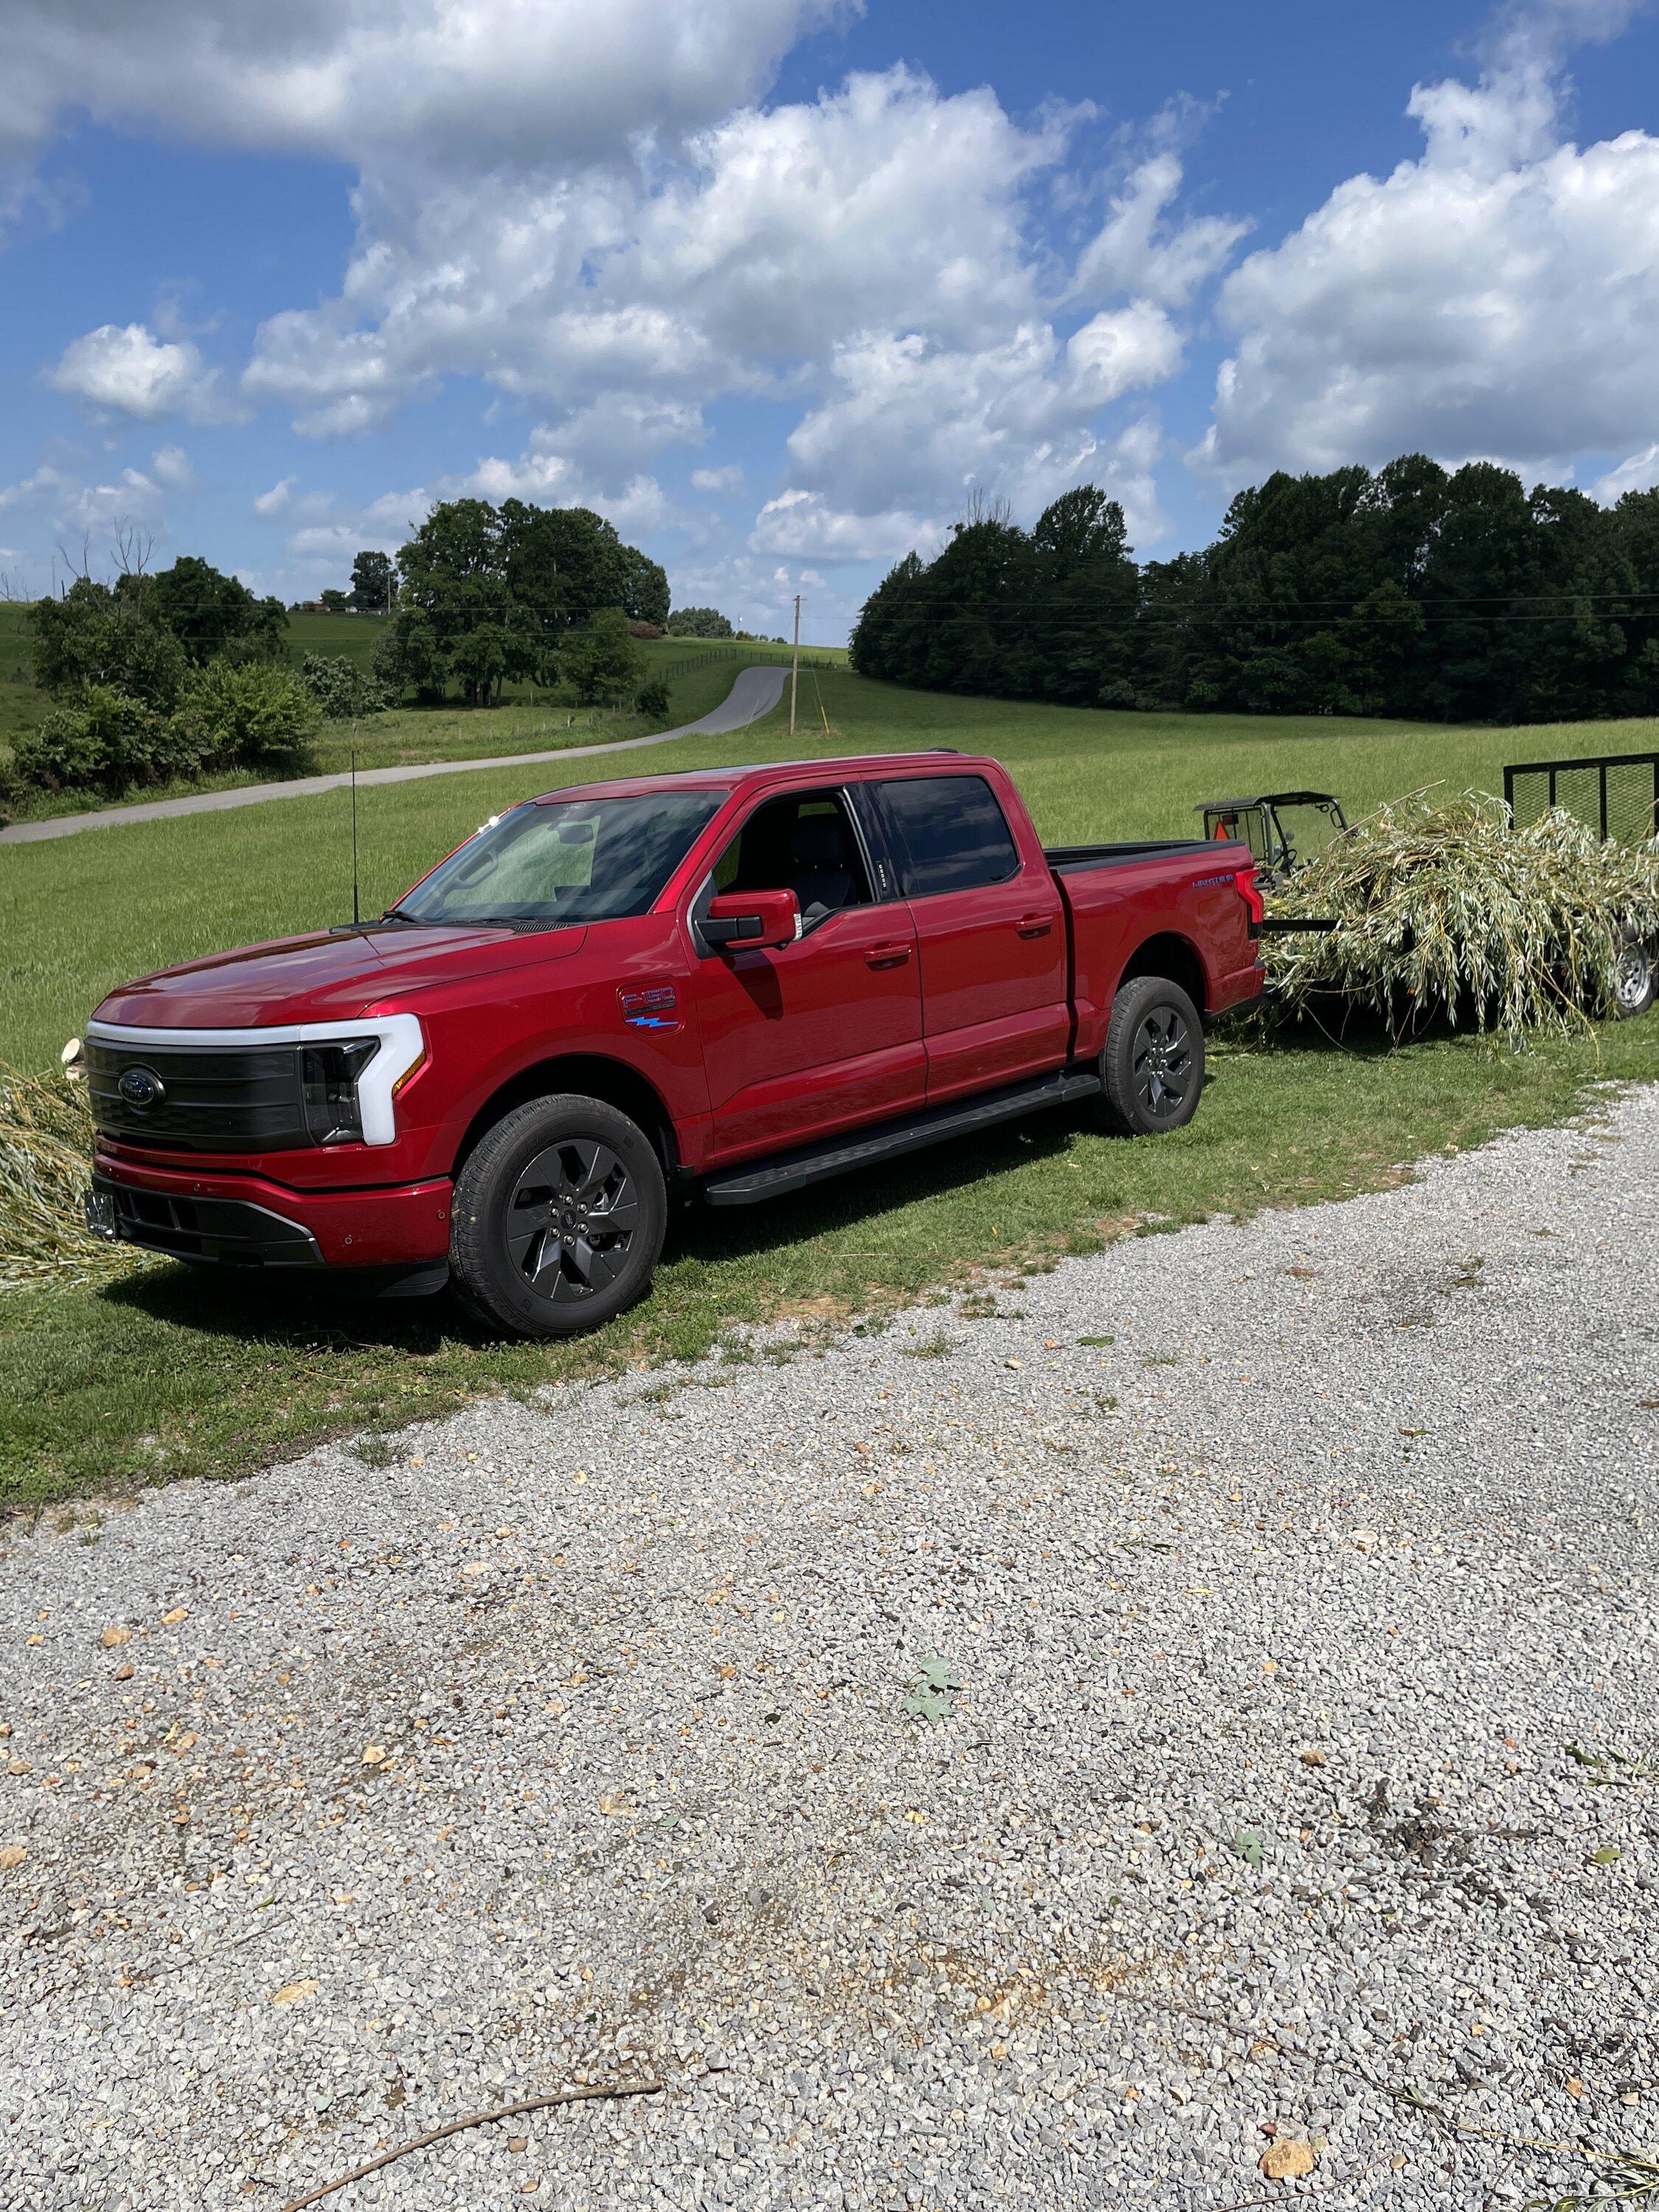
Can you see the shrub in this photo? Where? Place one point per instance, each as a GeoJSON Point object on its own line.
{"type": "Point", "coordinates": [341, 689]}
{"type": "Point", "coordinates": [480, 657]}
{"type": "Point", "coordinates": [650, 699]}
{"type": "Point", "coordinates": [698, 622]}
{"type": "Point", "coordinates": [1449, 911]}
{"type": "Point", "coordinates": [256, 712]}
{"type": "Point", "coordinates": [410, 657]}
{"type": "Point", "coordinates": [94, 636]}
{"type": "Point", "coordinates": [209, 613]}
{"type": "Point", "coordinates": [104, 740]}
{"type": "Point", "coordinates": [602, 661]}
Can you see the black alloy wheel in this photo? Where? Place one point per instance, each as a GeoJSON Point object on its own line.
{"type": "Point", "coordinates": [558, 1219]}
{"type": "Point", "coordinates": [1162, 1058]}
{"type": "Point", "coordinates": [572, 1217]}
{"type": "Point", "coordinates": [1152, 1065]}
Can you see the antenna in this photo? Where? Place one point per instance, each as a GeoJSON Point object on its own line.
{"type": "Point", "coordinates": [355, 917]}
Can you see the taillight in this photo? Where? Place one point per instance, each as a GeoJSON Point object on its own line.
{"type": "Point", "coordinates": [1244, 885]}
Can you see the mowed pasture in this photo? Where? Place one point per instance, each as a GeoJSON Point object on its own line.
{"type": "Point", "coordinates": [168, 1373]}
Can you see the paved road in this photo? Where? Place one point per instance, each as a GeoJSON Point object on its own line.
{"type": "Point", "coordinates": [1054, 1760]}
{"type": "Point", "coordinates": [755, 692]}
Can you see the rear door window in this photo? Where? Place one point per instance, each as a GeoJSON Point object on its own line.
{"type": "Point", "coordinates": [949, 833]}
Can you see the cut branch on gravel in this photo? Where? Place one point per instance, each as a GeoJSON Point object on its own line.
{"type": "Point", "coordinates": [478, 2120]}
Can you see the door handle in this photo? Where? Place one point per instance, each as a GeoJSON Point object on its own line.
{"type": "Point", "coordinates": [1034, 925]}
{"type": "Point", "coordinates": [887, 956]}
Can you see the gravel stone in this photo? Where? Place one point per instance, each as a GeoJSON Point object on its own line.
{"type": "Point", "coordinates": [967, 1765]}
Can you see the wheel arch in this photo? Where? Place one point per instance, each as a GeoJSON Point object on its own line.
{"type": "Point", "coordinates": [1175, 957]}
{"type": "Point", "coordinates": [590, 1075]}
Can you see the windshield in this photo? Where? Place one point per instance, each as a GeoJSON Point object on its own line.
{"type": "Point", "coordinates": [575, 860]}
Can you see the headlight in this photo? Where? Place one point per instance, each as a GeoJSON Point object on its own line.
{"type": "Point", "coordinates": [329, 1074]}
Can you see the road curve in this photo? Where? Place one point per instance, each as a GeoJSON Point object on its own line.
{"type": "Point", "coordinates": [755, 692]}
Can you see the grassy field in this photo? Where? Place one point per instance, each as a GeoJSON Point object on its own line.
{"type": "Point", "coordinates": [165, 1374]}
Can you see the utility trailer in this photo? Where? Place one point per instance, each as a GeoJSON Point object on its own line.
{"type": "Point", "coordinates": [1617, 795]}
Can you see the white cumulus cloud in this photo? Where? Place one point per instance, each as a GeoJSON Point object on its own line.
{"type": "Point", "coordinates": [1498, 296]}
{"type": "Point", "coordinates": [124, 365]}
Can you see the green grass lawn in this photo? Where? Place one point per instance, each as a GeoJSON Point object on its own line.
{"type": "Point", "coordinates": [166, 1373]}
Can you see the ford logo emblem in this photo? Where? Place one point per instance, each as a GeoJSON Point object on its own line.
{"type": "Point", "coordinates": [142, 1087]}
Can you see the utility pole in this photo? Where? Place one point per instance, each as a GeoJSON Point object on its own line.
{"type": "Point", "coordinates": [794, 668]}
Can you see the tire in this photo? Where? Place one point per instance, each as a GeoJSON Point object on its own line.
{"type": "Point", "coordinates": [1152, 1063]}
{"type": "Point", "coordinates": [1633, 980]}
{"type": "Point", "coordinates": [558, 1219]}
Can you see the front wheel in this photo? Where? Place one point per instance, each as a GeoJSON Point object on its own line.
{"type": "Point", "coordinates": [558, 1219]}
{"type": "Point", "coordinates": [1152, 1065]}
{"type": "Point", "coordinates": [1633, 978]}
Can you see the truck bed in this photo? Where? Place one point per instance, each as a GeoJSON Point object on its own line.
{"type": "Point", "coordinates": [1067, 860]}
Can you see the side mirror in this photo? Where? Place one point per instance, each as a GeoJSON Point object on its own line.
{"type": "Point", "coordinates": [752, 921]}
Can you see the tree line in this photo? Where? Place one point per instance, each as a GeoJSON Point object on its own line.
{"type": "Point", "coordinates": [1409, 591]}
{"type": "Point", "coordinates": [161, 676]}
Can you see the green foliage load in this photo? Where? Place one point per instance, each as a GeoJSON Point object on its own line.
{"type": "Point", "coordinates": [698, 622]}
{"type": "Point", "coordinates": [46, 1157]}
{"type": "Point", "coordinates": [1446, 912]}
{"type": "Point", "coordinates": [1409, 591]}
{"type": "Point", "coordinates": [650, 699]}
{"type": "Point", "coordinates": [343, 690]}
{"type": "Point", "coordinates": [488, 595]}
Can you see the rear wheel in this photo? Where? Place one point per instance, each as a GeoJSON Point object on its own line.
{"type": "Point", "coordinates": [1153, 1062]}
{"type": "Point", "coordinates": [1633, 978]}
{"type": "Point", "coordinates": [558, 1218]}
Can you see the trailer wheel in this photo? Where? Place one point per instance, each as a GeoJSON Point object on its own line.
{"type": "Point", "coordinates": [1153, 1063]}
{"type": "Point", "coordinates": [558, 1219]}
{"type": "Point", "coordinates": [1633, 979]}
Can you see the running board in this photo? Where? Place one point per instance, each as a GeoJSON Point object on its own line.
{"type": "Point", "coordinates": [769, 1178]}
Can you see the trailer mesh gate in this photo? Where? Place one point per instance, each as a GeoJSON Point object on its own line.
{"type": "Point", "coordinates": [1615, 794]}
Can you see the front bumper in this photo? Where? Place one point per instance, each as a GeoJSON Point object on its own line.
{"type": "Point", "coordinates": [247, 1221]}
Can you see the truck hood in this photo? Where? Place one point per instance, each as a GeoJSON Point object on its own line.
{"type": "Point", "coordinates": [325, 976]}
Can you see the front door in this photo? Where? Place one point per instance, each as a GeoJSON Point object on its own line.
{"type": "Point", "coordinates": [815, 1036]}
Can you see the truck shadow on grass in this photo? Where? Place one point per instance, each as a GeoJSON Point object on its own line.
{"type": "Point", "coordinates": [745, 1263]}
{"type": "Point", "coordinates": [302, 1309]}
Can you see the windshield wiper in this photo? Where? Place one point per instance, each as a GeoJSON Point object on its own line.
{"type": "Point", "coordinates": [396, 913]}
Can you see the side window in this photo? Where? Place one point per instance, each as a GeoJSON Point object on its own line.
{"type": "Point", "coordinates": [801, 842]}
{"type": "Point", "coordinates": [951, 834]}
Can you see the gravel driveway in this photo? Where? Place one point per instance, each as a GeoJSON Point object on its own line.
{"type": "Point", "coordinates": [1053, 1759]}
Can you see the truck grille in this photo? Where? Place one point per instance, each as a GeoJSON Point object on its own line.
{"type": "Point", "coordinates": [237, 1099]}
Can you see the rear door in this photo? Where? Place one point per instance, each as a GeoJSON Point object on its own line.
{"type": "Point", "coordinates": [820, 1034]}
{"type": "Point", "coordinates": [990, 932]}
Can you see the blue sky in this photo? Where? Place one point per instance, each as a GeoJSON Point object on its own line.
{"type": "Point", "coordinates": [781, 284]}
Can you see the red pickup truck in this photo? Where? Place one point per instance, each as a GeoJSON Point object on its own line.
{"type": "Point", "coordinates": [729, 982]}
